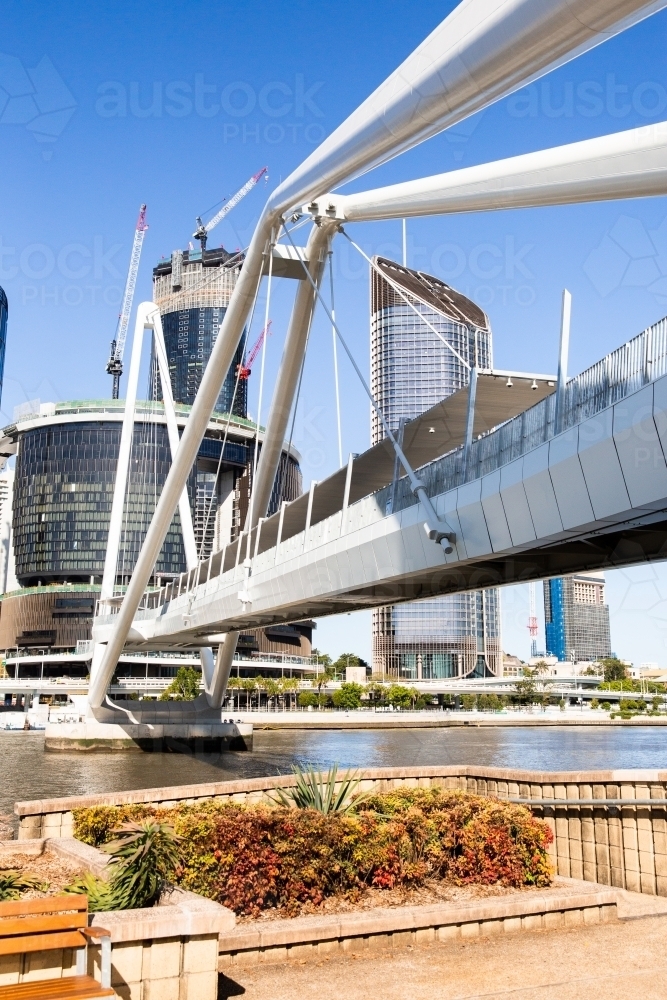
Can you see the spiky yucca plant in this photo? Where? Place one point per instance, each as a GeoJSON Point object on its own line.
{"type": "Point", "coordinates": [13, 883]}
{"type": "Point", "coordinates": [144, 856]}
{"type": "Point", "coordinates": [314, 790]}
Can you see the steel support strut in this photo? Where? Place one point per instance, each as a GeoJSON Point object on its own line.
{"type": "Point", "coordinates": [482, 51]}
{"type": "Point", "coordinates": [284, 394]}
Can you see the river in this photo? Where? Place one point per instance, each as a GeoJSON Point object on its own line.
{"type": "Point", "coordinates": [27, 772]}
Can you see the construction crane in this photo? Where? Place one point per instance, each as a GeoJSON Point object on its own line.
{"type": "Point", "coordinates": [202, 231]}
{"type": "Point", "coordinates": [115, 362]}
{"type": "Point", "coordinates": [532, 620]}
{"type": "Point", "coordinates": [245, 370]}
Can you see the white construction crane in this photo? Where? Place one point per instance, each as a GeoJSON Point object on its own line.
{"type": "Point", "coordinates": [202, 231]}
{"type": "Point", "coordinates": [115, 362]}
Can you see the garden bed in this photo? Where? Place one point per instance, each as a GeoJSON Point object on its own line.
{"type": "Point", "coordinates": [404, 848]}
{"type": "Point", "coordinates": [48, 867]}
{"type": "Point", "coordinates": [432, 892]}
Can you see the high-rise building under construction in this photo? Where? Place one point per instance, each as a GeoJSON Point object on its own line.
{"type": "Point", "coordinates": [424, 337]}
{"type": "Point", "coordinates": [192, 290]}
{"type": "Point", "coordinates": [577, 617]}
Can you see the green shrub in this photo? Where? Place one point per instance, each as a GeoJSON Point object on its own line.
{"type": "Point", "coordinates": [184, 687]}
{"type": "Point", "coordinates": [255, 858]}
{"type": "Point", "coordinates": [399, 696]}
{"type": "Point", "coordinates": [595, 703]}
{"type": "Point", "coordinates": [629, 705]}
{"type": "Point", "coordinates": [307, 699]}
{"type": "Point", "coordinates": [95, 824]}
{"type": "Point", "coordinates": [468, 702]}
{"type": "Point", "coordinates": [348, 696]}
{"type": "Point", "coordinates": [607, 706]}
{"type": "Point", "coordinates": [144, 858]}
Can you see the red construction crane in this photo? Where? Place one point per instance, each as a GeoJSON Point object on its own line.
{"type": "Point", "coordinates": [245, 370]}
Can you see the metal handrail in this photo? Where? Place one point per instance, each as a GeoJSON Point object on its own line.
{"type": "Point", "coordinates": [587, 803]}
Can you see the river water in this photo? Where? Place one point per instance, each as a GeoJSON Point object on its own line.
{"type": "Point", "coordinates": [27, 772]}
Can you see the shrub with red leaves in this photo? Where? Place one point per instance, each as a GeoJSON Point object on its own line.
{"type": "Point", "coordinates": [256, 858]}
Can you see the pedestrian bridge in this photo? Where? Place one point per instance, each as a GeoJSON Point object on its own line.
{"type": "Point", "coordinates": [543, 494]}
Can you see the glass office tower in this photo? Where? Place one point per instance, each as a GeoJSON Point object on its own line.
{"type": "Point", "coordinates": [577, 618]}
{"type": "Point", "coordinates": [4, 312]}
{"type": "Point", "coordinates": [192, 290]}
{"type": "Point", "coordinates": [411, 370]}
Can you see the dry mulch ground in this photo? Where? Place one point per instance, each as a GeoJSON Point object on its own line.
{"type": "Point", "coordinates": [47, 867]}
{"type": "Point", "coordinates": [432, 892]}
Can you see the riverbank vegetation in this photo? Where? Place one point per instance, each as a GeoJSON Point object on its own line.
{"type": "Point", "coordinates": [277, 857]}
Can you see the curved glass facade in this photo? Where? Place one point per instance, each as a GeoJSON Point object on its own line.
{"type": "Point", "coordinates": [189, 336]}
{"type": "Point", "coordinates": [4, 312]}
{"type": "Point", "coordinates": [63, 490]}
{"type": "Point", "coordinates": [412, 370]}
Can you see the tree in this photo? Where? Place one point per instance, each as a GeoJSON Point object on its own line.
{"type": "Point", "coordinates": [376, 693]}
{"type": "Point", "coordinates": [467, 702]}
{"type": "Point", "coordinates": [323, 659]}
{"type": "Point", "coordinates": [290, 686]}
{"type": "Point", "coordinates": [347, 660]}
{"type": "Point", "coordinates": [184, 687]}
{"type": "Point", "coordinates": [307, 699]}
{"type": "Point", "coordinates": [249, 684]}
{"type": "Point", "coordinates": [399, 696]}
{"type": "Point", "coordinates": [529, 689]}
{"type": "Point", "coordinates": [233, 684]}
{"type": "Point", "coordinates": [321, 680]}
{"type": "Point", "coordinates": [614, 670]}
{"type": "Point", "coordinates": [348, 696]}
{"type": "Point", "coordinates": [273, 688]}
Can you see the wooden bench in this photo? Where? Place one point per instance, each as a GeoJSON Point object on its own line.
{"type": "Point", "coordinates": [46, 925]}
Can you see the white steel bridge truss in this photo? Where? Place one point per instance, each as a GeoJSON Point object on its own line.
{"type": "Point", "coordinates": [483, 51]}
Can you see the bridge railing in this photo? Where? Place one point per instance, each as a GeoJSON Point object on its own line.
{"type": "Point", "coordinates": [636, 363]}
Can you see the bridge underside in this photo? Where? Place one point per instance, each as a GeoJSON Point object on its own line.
{"type": "Point", "coordinates": [612, 548]}
{"type": "Point", "coordinates": [528, 503]}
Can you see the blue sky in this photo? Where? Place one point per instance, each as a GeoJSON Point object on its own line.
{"type": "Point", "coordinates": [176, 104]}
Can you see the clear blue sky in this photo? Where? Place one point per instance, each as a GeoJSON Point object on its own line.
{"type": "Point", "coordinates": [106, 105]}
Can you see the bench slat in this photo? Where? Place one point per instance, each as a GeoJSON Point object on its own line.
{"type": "Point", "coordinates": [49, 904]}
{"type": "Point", "coordinates": [67, 988]}
{"type": "Point", "coordinates": [20, 944]}
{"type": "Point", "coordinates": [42, 924]}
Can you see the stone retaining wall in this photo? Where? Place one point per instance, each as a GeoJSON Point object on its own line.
{"type": "Point", "coordinates": [308, 938]}
{"type": "Point", "coordinates": [615, 843]}
{"type": "Point", "coordinates": [169, 951]}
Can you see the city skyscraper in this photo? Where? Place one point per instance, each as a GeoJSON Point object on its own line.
{"type": "Point", "coordinates": [413, 314]}
{"type": "Point", "coordinates": [192, 291]}
{"type": "Point", "coordinates": [576, 617]}
{"type": "Point", "coordinates": [4, 312]}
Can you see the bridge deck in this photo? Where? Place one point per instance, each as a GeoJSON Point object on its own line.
{"type": "Point", "coordinates": [531, 504]}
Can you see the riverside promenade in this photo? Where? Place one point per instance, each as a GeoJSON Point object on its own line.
{"type": "Point", "coordinates": [611, 961]}
{"type": "Point", "coordinates": [437, 720]}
